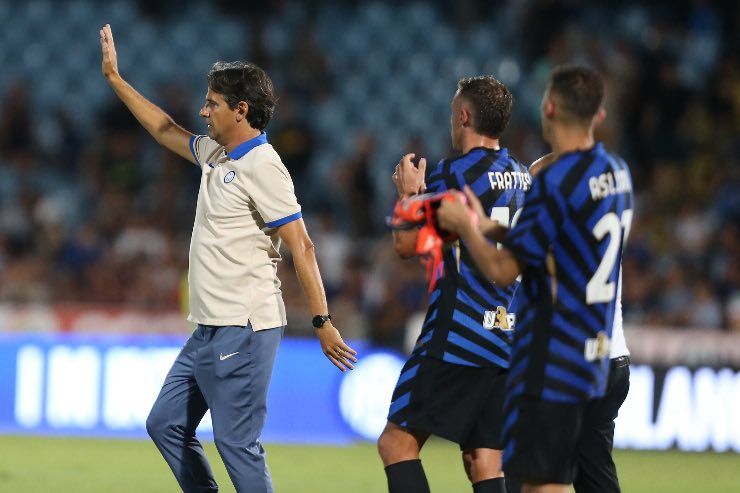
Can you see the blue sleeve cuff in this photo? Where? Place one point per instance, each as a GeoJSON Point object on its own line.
{"type": "Point", "coordinates": [285, 220]}
{"type": "Point", "coordinates": [192, 147]}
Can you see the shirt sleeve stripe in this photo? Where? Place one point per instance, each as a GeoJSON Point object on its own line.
{"type": "Point", "coordinates": [192, 147]}
{"type": "Point", "coordinates": [285, 220]}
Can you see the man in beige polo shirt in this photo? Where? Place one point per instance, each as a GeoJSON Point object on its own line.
{"type": "Point", "coordinates": [246, 207]}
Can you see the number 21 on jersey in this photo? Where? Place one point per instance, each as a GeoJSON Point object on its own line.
{"type": "Point", "coordinates": [599, 289]}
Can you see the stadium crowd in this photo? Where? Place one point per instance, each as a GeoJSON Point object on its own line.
{"type": "Point", "coordinates": [98, 214]}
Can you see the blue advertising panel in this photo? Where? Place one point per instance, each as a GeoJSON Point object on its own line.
{"type": "Point", "coordinates": [96, 385]}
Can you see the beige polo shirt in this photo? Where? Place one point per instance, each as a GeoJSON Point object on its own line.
{"type": "Point", "coordinates": [244, 196]}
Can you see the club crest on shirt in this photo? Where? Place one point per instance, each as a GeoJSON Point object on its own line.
{"type": "Point", "coordinates": [229, 177]}
{"type": "Point", "coordinates": [499, 319]}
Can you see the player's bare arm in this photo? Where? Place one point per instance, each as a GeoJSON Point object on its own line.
{"type": "Point", "coordinates": [152, 118]}
{"type": "Point", "coordinates": [499, 266]}
{"type": "Point", "coordinates": [409, 180]}
{"type": "Point", "coordinates": [302, 249]}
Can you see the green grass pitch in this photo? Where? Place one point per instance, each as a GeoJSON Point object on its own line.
{"type": "Point", "coordinates": [61, 465]}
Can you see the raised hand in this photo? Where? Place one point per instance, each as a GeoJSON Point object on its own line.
{"type": "Point", "coordinates": [152, 118]}
{"type": "Point", "coordinates": [110, 59]}
{"type": "Point", "coordinates": [408, 178]}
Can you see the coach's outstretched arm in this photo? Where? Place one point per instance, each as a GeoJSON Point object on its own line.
{"type": "Point", "coordinates": [154, 119]}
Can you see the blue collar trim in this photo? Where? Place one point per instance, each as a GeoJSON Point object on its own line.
{"type": "Point", "coordinates": [243, 148]}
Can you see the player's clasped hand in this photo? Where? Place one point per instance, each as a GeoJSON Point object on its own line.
{"type": "Point", "coordinates": [334, 347]}
{"type": "Point", "coordinates": [484, 221]}
{"type": "Point", "coordinates": [475, 204]}
{"type": "Point", "coordinates": [454, 216]}
{"type": "Point", "coordinates": [408, 178]}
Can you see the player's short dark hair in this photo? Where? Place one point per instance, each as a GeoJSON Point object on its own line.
{"type": "Point", "coordinates": [580, 90]}
{"type": "Point", "coordinates": [492, 103]}
{"type": "Point", "coordinates": [245, 81]}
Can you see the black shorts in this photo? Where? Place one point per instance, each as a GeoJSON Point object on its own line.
{"type": "Point", "coordinates": [596, 470]}
{"type": "Point", "coordinates": [463, 404]}
{"type": "Point", "coordinates": [563, 443]}
{"type": "Point", "coordinates": [542, 443]}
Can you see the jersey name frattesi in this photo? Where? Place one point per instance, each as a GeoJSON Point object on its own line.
{"type": "Point", "coordinates": [502, 180]}
{"type": "Point", "coordinates": [609, 183]}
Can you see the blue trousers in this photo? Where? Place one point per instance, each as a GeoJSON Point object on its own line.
{"type": "Point", "coordinates": [227, 370]}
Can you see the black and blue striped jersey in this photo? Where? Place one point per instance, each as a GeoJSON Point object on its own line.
{"type": "Point", "coordinates": [468, 320]}
{"type": "Point", "coordinates": [568, 242]}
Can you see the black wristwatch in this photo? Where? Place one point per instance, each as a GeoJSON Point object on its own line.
{"type": "Point", "coordinates": [319, 320]}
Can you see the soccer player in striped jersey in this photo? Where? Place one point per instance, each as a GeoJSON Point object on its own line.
{"type": "Point", "coordinates": [453, 384]}
{"type": "Point", "coordinates": [596, 471]}
{"type": "Point", "coordinates": [567, 246]}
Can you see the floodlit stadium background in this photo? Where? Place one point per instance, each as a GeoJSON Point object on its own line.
{"type": "Point", "coordinates": [95, 219]}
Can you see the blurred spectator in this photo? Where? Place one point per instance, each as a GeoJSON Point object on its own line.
{"type": "Point", "coordinates": [733, 312]}
{"type": "Point", "coordinates": [294, 141]}
{"type": "Point", "coordinates": [332, 250]}
{"type": "Point", "coordinates": [692, 231]}
{"type": "Point", "coordinates": [140, 240]}
{"type": "Point", "coordinates": [60, 141]}
{"type": "Point", "coordinates": [358, 186]}
{"type": "Point", "coordinates": [16, 130]}
{"type": "Point", "coordinates": [80, 250]}
{"type": "Point", "coordinates": [309, 76]}
{"type": "Point", "coordinates": [118, 159]}
{"type": "Point", "coordinates": [704, 310]}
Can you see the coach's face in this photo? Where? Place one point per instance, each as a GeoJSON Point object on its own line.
{"type": "Point", "coordinates": [218, 116]}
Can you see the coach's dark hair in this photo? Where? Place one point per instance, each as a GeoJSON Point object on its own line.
{"type": "Point", "coordinates": [244, 81]}
{"type": "Point", "coordinates": [492, 103]}
{"type": "Point", "coordinates": [580, 90]}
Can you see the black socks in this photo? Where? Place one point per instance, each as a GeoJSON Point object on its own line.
{"type": "Point", "coordinates": [408, 477]}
